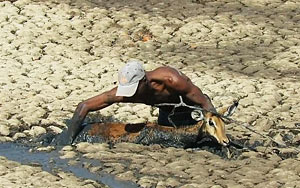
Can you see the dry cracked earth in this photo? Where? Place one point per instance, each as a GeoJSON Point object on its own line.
{"type": "Point", "coordinates": [55, 54]}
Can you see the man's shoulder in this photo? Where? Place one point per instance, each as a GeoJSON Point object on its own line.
{"type": "Point", "coordinates": [170, 76]}
{"type": "Point", "coordinates": [167, 69]}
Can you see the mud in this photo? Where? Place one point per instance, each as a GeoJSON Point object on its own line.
{"type": "Point", "coordinates": [51, 162]}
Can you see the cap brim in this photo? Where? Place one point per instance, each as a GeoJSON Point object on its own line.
{"type": "Point", "coordinates": [127, 91]}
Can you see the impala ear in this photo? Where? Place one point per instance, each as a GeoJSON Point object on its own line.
{"type": "Point", "coordinates": [197, 115]}
{"type": "Point", "coordinates": [231, 109]}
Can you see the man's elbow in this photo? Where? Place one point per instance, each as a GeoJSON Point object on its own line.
{"type": "Point", "coordinates": [82, 108]}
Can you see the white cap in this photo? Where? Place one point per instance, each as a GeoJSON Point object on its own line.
{"type": "Point", "coordinates": [129, 77]}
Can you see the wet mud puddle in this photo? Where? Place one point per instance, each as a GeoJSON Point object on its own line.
{"type": "Point", "coordinates": [51, 162]}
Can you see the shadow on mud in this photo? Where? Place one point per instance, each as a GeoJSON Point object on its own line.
{"type": "Point", "coordinates": [238, 147]}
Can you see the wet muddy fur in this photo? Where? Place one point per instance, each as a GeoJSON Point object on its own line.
{"type": "Point", "coordinates": [149, 133]}
{"type": "Point", "coordinates": [142, 133]}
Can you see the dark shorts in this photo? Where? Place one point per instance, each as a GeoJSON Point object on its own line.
{"type": "Point", "coordinates": [179, 118]}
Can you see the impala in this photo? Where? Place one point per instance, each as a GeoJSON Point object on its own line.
{"type": "Point", "coordinates": [209, 125]}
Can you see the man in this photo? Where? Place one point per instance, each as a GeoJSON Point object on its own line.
{"type": "Point", "coordinates": [162, 85]}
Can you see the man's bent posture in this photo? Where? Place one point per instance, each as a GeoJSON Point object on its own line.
{"type": "Point", "coordinates": [162, 85]}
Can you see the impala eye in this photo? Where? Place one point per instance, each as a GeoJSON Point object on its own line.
{"type": "Point", "coordinates": [211, 123]}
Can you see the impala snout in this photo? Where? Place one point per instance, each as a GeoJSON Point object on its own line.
{"type": "Point", "coordinates": [222, 140]}
{"type": "Point", "coordinates": [225, 142]}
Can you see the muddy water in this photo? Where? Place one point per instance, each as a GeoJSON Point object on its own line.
{"type": "Point", "coordinates": [51, 162]}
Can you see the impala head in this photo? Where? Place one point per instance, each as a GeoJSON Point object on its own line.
{"type": "Point", "coordinates": [213, 124]}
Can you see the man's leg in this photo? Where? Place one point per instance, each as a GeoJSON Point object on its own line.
{"type": "Point", "coordinates": [163, 118]}
{"type": "Point", "coordinates": [179, 119]}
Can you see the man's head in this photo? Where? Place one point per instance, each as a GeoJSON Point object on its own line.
{"type": "Point", "coordinates": [129, 77]}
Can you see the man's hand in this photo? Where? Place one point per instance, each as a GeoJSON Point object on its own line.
{"type": "Point", "coordinates": [68, 135]}
{"type": "Point", "coordinates": [62, 139]}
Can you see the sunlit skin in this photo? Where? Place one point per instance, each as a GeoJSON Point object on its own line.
{"type": "Point", "coordinates": [162, 85]}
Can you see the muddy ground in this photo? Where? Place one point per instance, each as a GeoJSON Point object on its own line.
{"type": "Point", "coordinates": [54, 55]}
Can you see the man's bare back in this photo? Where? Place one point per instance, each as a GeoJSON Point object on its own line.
{"type": "Point", "coordinates": [162, 85]}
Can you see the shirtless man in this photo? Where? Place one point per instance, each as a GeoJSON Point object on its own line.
{"type": "Point", "coordinates": [162, 85]}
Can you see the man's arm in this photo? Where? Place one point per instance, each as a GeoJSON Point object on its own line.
{"type": "Point", "coordinates": [183, 85]}
{"type": "Point", "coordinates": [95, 103]}
{"type": "Point", "coordinates": [197, 96]}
